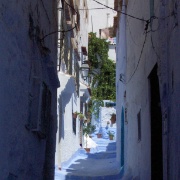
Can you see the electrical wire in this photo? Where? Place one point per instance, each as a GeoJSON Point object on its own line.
{"type": "Point", "coordinates": [71, 7]}
{"type": "Point", "coordinates": [92, 8]}
{"type": "Point", "coordinates": [86, 9]}
{"type": "Point", "coordinates": [154, 47]}
{"type": "Point", "coordinates": [146, 32]}
{"type": "Point", "coordinates": [137, 18]}
{"type": "Point", "coordinates": [57, 32]}
{"type": "Point", "coordinates": [140, 19]}
{"type": "Point", "coordinates": [63, 31]}
{"type": "Point", "coordinates": [121, 75]}
{"type": "Point", "coordinates": [107, 7]}
{"type": "Point", "coordinates": [131, 34]}
{"type": "Point", "coordinates": [138, 60]}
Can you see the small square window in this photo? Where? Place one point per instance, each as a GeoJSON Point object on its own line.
{"type": "Point", "coordinates": [39, 109]}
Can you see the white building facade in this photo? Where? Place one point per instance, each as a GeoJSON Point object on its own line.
{"type": "Point", "coordinates": [100, 17]}
{"type": "Point", "coordinates": [147, 90]}
{"type": "Point", "coordinates": [73, 47]}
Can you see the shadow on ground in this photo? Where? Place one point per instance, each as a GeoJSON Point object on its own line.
{"type": "Point", "coordinates": [101, 165]}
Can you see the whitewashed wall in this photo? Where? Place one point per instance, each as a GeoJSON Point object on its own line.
{"type": "Point", "coordinates": [22, 152]}
{"type": "Point", "coordinates": [105, 116]}
{"type": "Point", "coordinates": [68, 100]}
{"type": "Point", "coordinates": [66, 141]}
{"type": "Point", "coordinates": [165, 54]}
{"type": "Point", "coordinates": [112, 52]}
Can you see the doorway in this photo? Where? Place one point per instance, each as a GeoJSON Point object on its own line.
{"type": "Point", "coordinates": [156, 127]}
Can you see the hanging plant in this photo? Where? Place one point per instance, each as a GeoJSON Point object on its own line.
{"type": "Point", "coordinates": [75, 114]}
{"type": "Point", "coordinates": [81, 116]}
{"type": "Point", "coordinates": [103, 73]}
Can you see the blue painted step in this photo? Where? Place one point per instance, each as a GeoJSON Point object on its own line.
{"type": "Point", "coordinates": [102, 155]}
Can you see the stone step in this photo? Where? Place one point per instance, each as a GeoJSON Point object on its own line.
{"type": "Point", "coordinates": [71, 176]}
{"type": "Point", "coordinates": [110, 177]}
{"type": "Point", "coordinates": [106, 147]}
{"type": "Point", "coordinates": [102, 155]}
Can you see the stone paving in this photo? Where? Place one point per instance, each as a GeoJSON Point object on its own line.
{"type": "Point", "coordinates": [99, 164]}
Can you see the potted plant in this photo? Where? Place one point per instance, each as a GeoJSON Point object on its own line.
{"type": "Point", "coordinates": [113, 118]}
{"type": "Point", "coordinates": [111, 135]}
{"type": "Point", "coordinates": [99, 134]}
{"type": "Point", "coordinates": [89, 114]}
{"type": "Point", "coordinates": [74, 114]}
{"type": "Point", "coordinates": [88, 129]}
{"type": "Point", "coordinates": [81, 116]}
{"type": "Point", "coordinates": [87, 121]}
{"type": "Point", "coordinates": [93, 128]}
{"type": "Point", "coordinates": [107, 126]}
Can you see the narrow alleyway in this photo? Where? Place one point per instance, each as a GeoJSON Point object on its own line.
{"type": "Point", "coordinates": [99, 164]}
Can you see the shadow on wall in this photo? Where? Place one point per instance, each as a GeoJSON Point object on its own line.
{"type": "Point", "coordinates": [63, 100]}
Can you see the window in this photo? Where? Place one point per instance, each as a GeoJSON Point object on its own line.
{"type": "Point", "coordinates": [151, 8]}
{"type": "Point", "coordinates": [39, 108]}
{"type": "Point", "coordinates": [74, 125]}
{"type": "Point", "coordinates": [139, 125]}
{"type": "Point", "coordinates": [77, 79]}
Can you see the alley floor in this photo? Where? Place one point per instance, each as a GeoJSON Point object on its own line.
{"type": "Point", "coordinates": [99, 164]}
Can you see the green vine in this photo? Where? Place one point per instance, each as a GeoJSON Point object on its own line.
{"type": "Point", "coordinates": [103, 71]}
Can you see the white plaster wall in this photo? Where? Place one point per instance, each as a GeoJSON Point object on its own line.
{"type": "Point", "coordinates": [166, 41]}
{"type": "Point", "coordinates": [137, 154]}
{"type": "Point", "coordinates": [168, 48]}
{"type": "Point", "coordinates": [84, 21]}
{"type": "Point", "coordinates": [66, 142]}
{"type": "Point", "coordinates": [120, 69]}
{"type": "Point", "coordinates": [112, 52]}
{"type": "Point", "coordinates": [105, 115]}
{"type": "Point", "coordinates": [22, 153]}
{"type": "Point", "coordinates": [70, 142]}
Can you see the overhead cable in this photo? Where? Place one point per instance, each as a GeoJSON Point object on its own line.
{"type": "Point", "coordinates": [63, 31]}
{"type": "Point", "coordinates": [140, 19]}
{"type": "Point", "coordinates": [122, 75]}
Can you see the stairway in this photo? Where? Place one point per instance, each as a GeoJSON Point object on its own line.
{"type": "Point", "coordinates": [99, 164]}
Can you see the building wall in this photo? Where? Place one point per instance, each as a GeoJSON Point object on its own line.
{"type": "Point", "coordinates": [112, 52]}
{"type": "Point", "coordinates": [105, 116]}
{"type": "Point", "coordinates": [135, 62]}
{"type": "Point", "coordinates": [170, 85]}
{"type": "Point", "coordinates": [69, 95]}
{"type": "Point", "coordinates": [67, 141]}
{"type": "Point", "coordinates": [22, 151]}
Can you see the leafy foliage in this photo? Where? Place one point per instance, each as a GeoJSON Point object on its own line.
{"type": "Point", "coordinates": [102, 71]}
